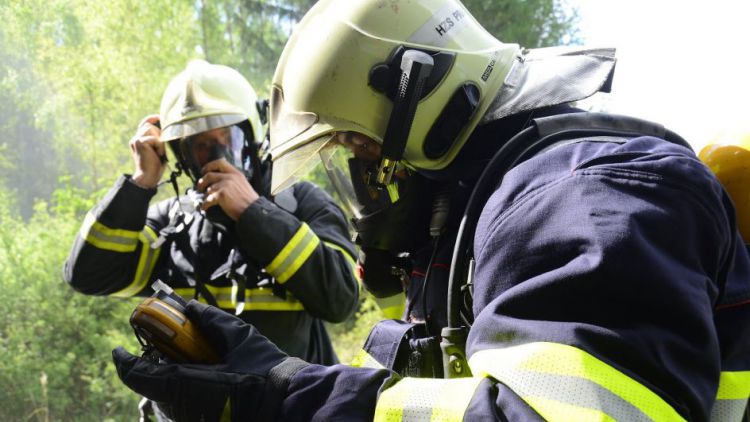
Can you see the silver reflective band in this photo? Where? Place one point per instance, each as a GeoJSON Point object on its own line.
{"type": "Point", "coordinates": [728, 410]}
{"type": "Point", "coordinates": [578, 392]}
{"type": "Point", "coordinates": [563, 382]}
{"type": "Point", "coordinates": [294, 254]}
{"type": "Point", "coordinates": [106, 238]}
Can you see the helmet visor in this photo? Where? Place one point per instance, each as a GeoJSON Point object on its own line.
{"type": "Point", "coordinates": [196, 151]}
{"type": "Point", "coordinates": [194, 126]}
{"type": "Point", "coordinates": [348, 160]}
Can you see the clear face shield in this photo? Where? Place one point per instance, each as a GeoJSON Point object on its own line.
{"type": "Point", "coordinates": [349, 160]}
{"type": "Point", "coordinates": [195, 151]}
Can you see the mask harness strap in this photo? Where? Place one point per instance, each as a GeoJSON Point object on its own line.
{"type": "Point", "coordinates": [179, 221]}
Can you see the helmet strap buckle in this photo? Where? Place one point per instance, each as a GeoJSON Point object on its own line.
{"type": "Point", "coordinates": [415, 69]}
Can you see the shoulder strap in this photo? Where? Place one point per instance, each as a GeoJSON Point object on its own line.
{"type": "Point", "coordinates": [601, 124]}
{"type": "Point", "coordinates": [180, 221]}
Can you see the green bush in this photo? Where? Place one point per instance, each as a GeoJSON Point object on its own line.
{"type": "Point", "coordinates": [55, 343]}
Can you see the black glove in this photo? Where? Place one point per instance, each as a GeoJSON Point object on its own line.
{"type": "Point", "coordinates": [248, 385]}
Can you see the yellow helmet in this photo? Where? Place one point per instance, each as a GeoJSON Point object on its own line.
{"type": "Point", "coordinates": [207, 96]}
{"type": "Point", "coordinates": [728, 157]}
{"type": "Point", "coordinates": [340, 72]}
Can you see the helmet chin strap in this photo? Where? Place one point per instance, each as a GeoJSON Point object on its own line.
{"type": "Point", "coordinates": [415, 69]}
{"type": "Point", "coordinates": [173, 175]}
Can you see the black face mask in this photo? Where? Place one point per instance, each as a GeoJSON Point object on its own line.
{"type": "Point", "coordinates": [239, 153]}
{"type": "Point", "coordinates": [188, 163]}
{"type": "Point", "coordinates": [402, 226]}
{"type": "Point", "coordinates": [384, 273]}
{"type": "Point", "coordinates": [388, 235]}
{"type": "Point", "coordinates": [191, 165]}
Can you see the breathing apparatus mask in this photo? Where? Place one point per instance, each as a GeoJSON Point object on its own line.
{"type": "Point", "coordinates": [233, 143]}
{"type": "Point", "coordinates": [195, 151]}
{"type": "Point", "coordinates": [388, 202]}
{"type": "Point", "coordinates": [390, 221]}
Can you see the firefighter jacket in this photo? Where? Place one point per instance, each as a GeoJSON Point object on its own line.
{"type": "Point", "coordinates": [284, 266]}
{"type": "Point", "coordinates": [610, 284]}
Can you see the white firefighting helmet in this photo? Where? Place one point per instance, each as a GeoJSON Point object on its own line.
{"type": "Point", "coordinates": [207, 96]}
{"type": "Point", "coordinates": [340, 73]}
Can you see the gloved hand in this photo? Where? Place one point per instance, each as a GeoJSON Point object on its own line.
{"type": "Point", "coordinates": [238, 388]}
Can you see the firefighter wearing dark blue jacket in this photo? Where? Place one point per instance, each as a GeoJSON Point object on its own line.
{"type": "Point", "coordinates": [591, 263]}
{"type": "Point", "coordinates": [283, 263]}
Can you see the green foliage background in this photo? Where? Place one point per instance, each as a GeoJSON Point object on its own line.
{"type": "Point", "coordinates": [76, 76]}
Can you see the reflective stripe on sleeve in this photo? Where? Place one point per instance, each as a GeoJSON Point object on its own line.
{"type": "Point", "coordinates": [392, 306]}
{"type": "Point", "coordinates": [349, 259]}
{"type": "Point", "coordinates": [103, 237]}
{"type": "Point", "coordinates": [364, 360]}
{"type": "Point", "coordinates": [565, 383]}
{"type": "Point", "coordinates": [392, 189]}
{"type": "Point", "coordinates": [732, 397]}
{"type": "Point", "coordinates": [256, 299]}
{"type": "Point", "coordinates": [146, 263]}
{"type": "Point", "coordinates": [426, 399]}
{"type": "Point", "coordinates": [294, 254]}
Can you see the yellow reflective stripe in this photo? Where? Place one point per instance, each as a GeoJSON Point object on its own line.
{"type": "Point", "coordinates": [454, 397]}
{"type": "Point", "coordinates": [734, 385]}
{"type": "Point", "coordinates": [390, 405]}
{"type": "Point", "coordinates": [146, 263]}
{"type": "Point", "coordinates": [103, 237]}
{"type": "Point", "coordinates": [566, 412]}
{"type": "Point", "coordinates": [294, 254]}
{"type": "Point", "coordinates": [392, 192]}
{"type": "Point", "coordinates": [350, 259]}
{"type": "Point", "coordinates": [392, 306]}
{"type": "Point", "coordinates": [226, 414]}
{"type": "Point", "coordinates": [426, 399]}
{"type": "Point", "coordinates": [732, 396]}
{"type": "Point", "coordinates": [567, 374]}
{"type": "Point", "coordinates": [364, 360]}
{"type": "Point", "coordinates": [296, 239]}
{"type": "Point", "coordinates": [257, 299]}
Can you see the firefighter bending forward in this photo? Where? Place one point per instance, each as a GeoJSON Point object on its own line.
{"type": "Point", "coordinates": [609, 281]}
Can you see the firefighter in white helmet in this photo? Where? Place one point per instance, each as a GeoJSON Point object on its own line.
{"type": "Point", "coordinates": [559, 265]}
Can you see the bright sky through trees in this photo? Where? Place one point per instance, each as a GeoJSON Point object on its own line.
{"type": "Point", "coordinates": [683, 64]}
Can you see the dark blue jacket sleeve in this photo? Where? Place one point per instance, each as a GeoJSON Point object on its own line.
{"type": "Point", "coordinates": [308, 251]}
{"type": "Point", "coordinates": [111, 254]}
{"type": "Point", "coordinates": [627, 251]}
{"type": "Point", "coordinates": [335, 393]}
